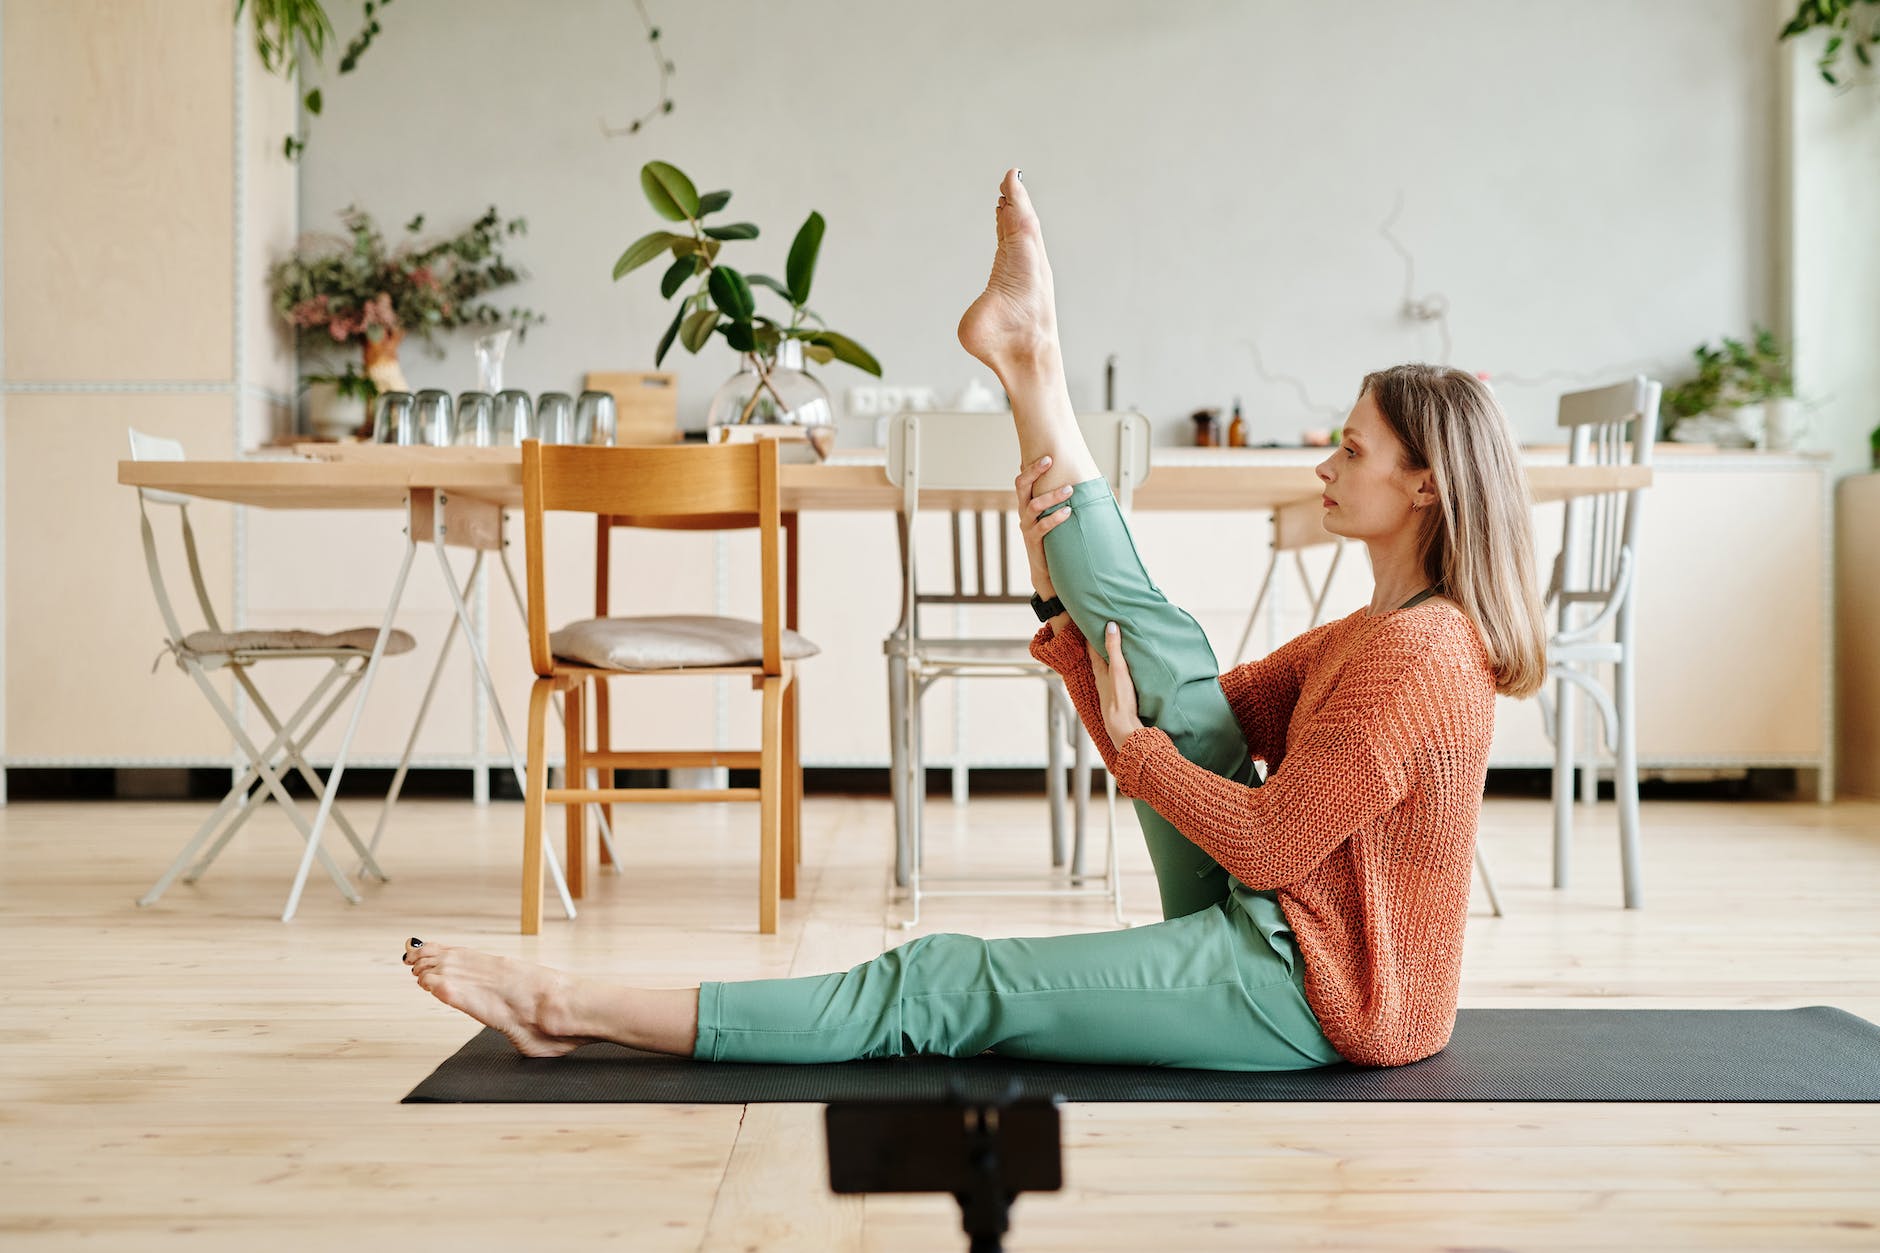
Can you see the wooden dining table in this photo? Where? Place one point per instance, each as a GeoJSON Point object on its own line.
{"type": "Point", "coordinates": [366, 477]}
{"type": "Point", "coordinates": [457, 498]}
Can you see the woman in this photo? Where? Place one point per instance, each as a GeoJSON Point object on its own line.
{"type": "Point", "coordinates": [1315, 918]}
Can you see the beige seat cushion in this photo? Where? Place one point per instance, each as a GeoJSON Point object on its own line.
{"type": "Point", "coordinates": [359, 639]}
{"type": "Point", "coordinates": [670, 643]}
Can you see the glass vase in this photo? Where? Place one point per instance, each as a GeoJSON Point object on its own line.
{"type": "Point", "coordinates": [777, 391]}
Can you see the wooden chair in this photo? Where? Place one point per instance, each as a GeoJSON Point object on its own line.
{"type": "Point", "coordinates": [671, 488]}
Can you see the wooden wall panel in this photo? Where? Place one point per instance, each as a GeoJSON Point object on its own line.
{"type": "Point", "coordinates": [82, 623]}
{"type": "Point", "coordinates": [270, 193]}
{"type": "Point", "coordinates": [1857, 587]}
{"type": "Point", "coordinates": [119, 190]}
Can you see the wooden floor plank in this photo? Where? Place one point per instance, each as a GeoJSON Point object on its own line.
{"type": "Point", "coordinates": [199, 1076]}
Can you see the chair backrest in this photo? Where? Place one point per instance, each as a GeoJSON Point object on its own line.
{"type": "Point", "coordinates": [721, 486]}
{"type": "Point", "coordinates": [146, 447]}
{"type": "Point", "coordinates": [978, 452]}
{"type": "Point", "coordinates": [1609, 426]}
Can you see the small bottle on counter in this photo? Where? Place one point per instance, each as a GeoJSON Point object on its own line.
{"type": "Point", "coordinates": [1237, 429]}
{"type": "Point", "coordinates": [1207, 427]}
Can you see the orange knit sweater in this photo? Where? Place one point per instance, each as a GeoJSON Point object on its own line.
{"type": "Point", "coordinates": [1375, 731]}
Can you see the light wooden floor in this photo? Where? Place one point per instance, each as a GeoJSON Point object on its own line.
{"type": "Point", "coordinates": [199, 1076]}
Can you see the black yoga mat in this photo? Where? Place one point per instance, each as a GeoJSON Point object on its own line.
{"type": "Point", "coordinates": [1812, 1054]}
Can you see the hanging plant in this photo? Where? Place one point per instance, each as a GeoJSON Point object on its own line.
{"type": "Point", "coordinates": [1852, 25]}
{"type": "Point", "coordinates": [285, 30]}
{"type": "Point", "coordinates": [665, 68]}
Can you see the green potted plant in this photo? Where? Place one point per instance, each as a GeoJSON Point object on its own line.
{"type": "Point", "coordinates": [357, 292]}
{"type": "Point", "coordinates": [1742, 394]}
{"type": "Point", "coordinates": [772, 386]}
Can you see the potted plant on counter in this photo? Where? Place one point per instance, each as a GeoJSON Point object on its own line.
{"type": "Point", "coordinates": [1743, 395]}
{"type": "Point", "coordinates": [772, 387]}
{"type": "Point", "coordinates": [357, 292]}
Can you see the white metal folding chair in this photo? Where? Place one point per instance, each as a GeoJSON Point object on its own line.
{"type": "Point", "coordinates": [1595, 585]}
{"type": "Point", "coordinates": [200, 652]}
{"type": "Point", "coordinates": [978, 453]}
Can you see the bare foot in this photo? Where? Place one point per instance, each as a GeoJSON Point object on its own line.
{"type": "Point", "coordinates": [1015, 318]}
{"type": "Point", "coordinates": [523, 1001]}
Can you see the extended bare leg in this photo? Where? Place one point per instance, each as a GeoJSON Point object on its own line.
{"type": "Point", "coordinates": [546, 1013]}
{"type": "Point", "coordinates": [1012, 328]}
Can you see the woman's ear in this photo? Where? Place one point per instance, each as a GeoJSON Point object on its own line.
{"type": "Point", "coordinates": [1423, 496]}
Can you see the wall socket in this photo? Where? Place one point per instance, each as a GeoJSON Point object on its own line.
{"type": "Point", "coordinates": [880, 401]}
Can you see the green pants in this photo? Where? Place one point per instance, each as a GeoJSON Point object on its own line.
{"type": "Point", "coordinates": [1220, 984]}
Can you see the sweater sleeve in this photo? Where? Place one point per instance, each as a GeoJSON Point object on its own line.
{"type": "Point", "coordinates": [1354, 761]}
{"type": "Point", "coordinates": [1066, 652]}
{"type": "Point", "coordinates": [1262, 693]}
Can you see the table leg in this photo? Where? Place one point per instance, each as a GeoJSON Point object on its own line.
{"type": "Point", "coordinates": [489, 685]}
{"type": "Point", "coordinates": [352, 726]}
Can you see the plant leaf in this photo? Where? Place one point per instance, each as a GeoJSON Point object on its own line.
{"type": "Point", "coordinates": [697, 329]}
{"type": "Point", "coordinates": [819, 353]}
{"type": "Point", "coordinates": [802, 265]}
{"type": "Point", "coordinates": [665, 341]}
{"type": "Point", "coordinates": [670, 192]}
{"type": "Point", "coordinates": [676, 275]}
{"type": "Point", "coordinates": [312, 101]}
{"type": "Point", "coordinates": [712, 201]}
{"type": "Point", "coordinates": [642, 250]}
{"type": "Point", "coordinates": [764, 280]}
{"type": "Point", "coordinates": [731, 293]}
{"type": "Point", "coordinates": [741, 336]}
{"type": "Point", "coordinates": [848, 351]}
{"type": "Point", "coordinates": [737, 230]}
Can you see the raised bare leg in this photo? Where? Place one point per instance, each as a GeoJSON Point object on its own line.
{"type": "Point", "coordinates": [546, 1013]}
{"type": "Point", "coordinates": [1012, 328]}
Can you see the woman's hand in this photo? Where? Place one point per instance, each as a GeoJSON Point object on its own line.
{"type": "Point", "coordinates": [1114, 688]}
{"type": "Point", "coordinates": [1035, 527]}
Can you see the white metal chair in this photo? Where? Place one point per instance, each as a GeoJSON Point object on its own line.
{"type": "Point", "coordinates": [213, 648]}
{"type": "Point", "coordinates": [1595, 585]}
{"type": "Point", "coordinates": [978, 453]}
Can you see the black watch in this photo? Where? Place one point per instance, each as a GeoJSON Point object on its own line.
{"type": "Point", "coordinates": [1046, 609]}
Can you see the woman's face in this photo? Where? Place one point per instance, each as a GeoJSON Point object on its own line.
{"type": "Point", "coordinates": [1369, 495]}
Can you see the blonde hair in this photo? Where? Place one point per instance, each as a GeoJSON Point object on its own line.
{"type": "Point", "coordinates": [1477, 545]}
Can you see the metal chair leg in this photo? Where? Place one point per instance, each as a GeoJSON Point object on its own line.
{"type": "Point", "coordinates": [1488, 880]}
{"type": "Point", "coordinates": [1625, 777]}
{"type": "Point", "coordinates": [1080, 797]}
{"type": "Point", "coordinates": [1054, 770]}
{"type": "Point", "coordinates": [1563, 780]}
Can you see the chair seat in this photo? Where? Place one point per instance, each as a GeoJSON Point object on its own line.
{"type": "Point", "coordinates": [967, 652]}
{"type": "Point", "coordinates": [290, 641]}
{"type": "Point", "coordinates": [671, 642]}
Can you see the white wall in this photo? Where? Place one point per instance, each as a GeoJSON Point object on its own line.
{"type": "Point", "coordinates": [1592, 185]}
{"type": "Point", "coordinates": [1834, 143]}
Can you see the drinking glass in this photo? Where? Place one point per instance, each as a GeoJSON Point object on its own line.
{"type": "Point", "coordinates": [475, 424]}
{"type": "Point", "coordinates": [594, 418]}
{"type": "Point", "coordinates": [554, 418]}
{"type": "Point", "coordinates": [392, 422]}
{"type": "Point", "coordinates": [490, 350]}
{"type": "Point", "coordinates": [431, 416]}
{"type": "Point", "coordinates": [514, 419]}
